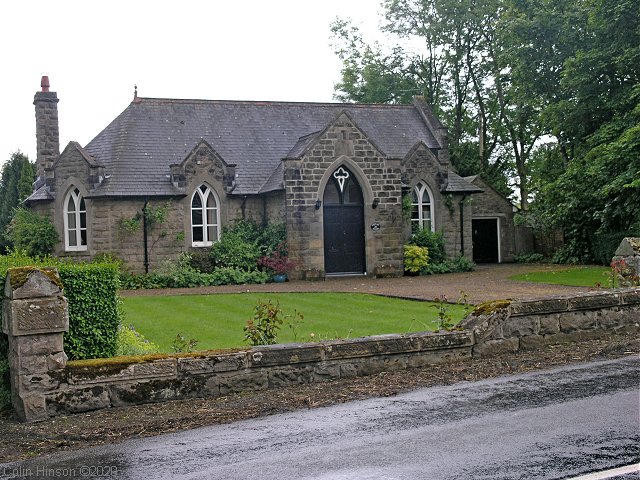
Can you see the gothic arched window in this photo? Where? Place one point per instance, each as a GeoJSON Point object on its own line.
{"type": "Point", "coordinates": [205, 217]}
{"type": "Point", "coordinates": [75, 221]}
{"type": "Point", "coordinates": [422, 208]}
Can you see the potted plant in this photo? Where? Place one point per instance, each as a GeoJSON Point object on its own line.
{"type": "Point", "coordinates": [277, 263]}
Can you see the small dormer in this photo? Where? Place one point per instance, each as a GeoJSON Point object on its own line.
{"type": "Point", "coordinates": [203, 158]}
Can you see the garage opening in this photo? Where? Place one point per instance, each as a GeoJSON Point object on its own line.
{"type": "Point", "coordinates": [486, 245]}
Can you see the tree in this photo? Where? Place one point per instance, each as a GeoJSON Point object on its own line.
{"type": "Point", "coordinates": [451, 71]}
{"type": "Point", "coordinates": [505, 75]}
{"type": "Point", "coordinates": [32, 233]}
{"type": "Point", "coordinates": [16, 179]}
{"type": "Point", "coordinates": [596, 119]}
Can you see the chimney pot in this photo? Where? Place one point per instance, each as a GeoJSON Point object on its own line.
{"type": "Point", "coordinates": [44, 83]}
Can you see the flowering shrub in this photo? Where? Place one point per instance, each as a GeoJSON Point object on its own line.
{"type": "Point", "coordinates": [624, 274]}
{"type": "Point", "coordinates": [277, 262]}
{"type": "Point", "coordinates": [263, 328]}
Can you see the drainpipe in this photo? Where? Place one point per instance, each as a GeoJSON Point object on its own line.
{"type": "Point", "coordinates": [243, 207]}
{"type": "Point", "coordinates": [264, 211]}
{"type": "Point", "coordinates": [461, 204]}
{"type": "Point", "coordinates": [144, 234]}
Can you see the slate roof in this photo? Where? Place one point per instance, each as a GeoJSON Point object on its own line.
{"type": "Point", "coordinates": [138, 147]}
{"type": "Point", "coordinates": [457, 184]}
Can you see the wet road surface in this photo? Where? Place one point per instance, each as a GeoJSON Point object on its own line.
{"type": "Point", "coordinates": [556, 424]}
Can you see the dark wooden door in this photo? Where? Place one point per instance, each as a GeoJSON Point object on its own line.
{"type": "Point", "coordinates": [485, 240]}
{"type": "Point", "coordinates": [343, 216]}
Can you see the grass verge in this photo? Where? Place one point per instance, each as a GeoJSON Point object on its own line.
{"type": "Point", "coordinates": [217, 321]}
{"type": "Point", "coordinates": [579, 276]}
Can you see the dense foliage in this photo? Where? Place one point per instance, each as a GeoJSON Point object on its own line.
{"type": "Point", "coordinates": [415, 258]}
{"type": "Point", "coordinates": [94, 316]}
{"type": "Point", "coordinates": [504, 75]}
{"type": "Point", "coordinates": [16, 181]}
{"type": "Point", "coordinates": [131, 342]}
{"type": "Point", "coordinates": [32, 233]}
{"type": "Point", "coordinates": [185, 276]}
{"type": "Point", "coordinates": [437, 261]}
{"type": "Point", "coordinates": [234, 260]}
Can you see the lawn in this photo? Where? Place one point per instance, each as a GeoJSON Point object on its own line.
{"type": "Point", "coordinates": [217, 321]}
{"type": "Point", "coordinates": [579, 276]}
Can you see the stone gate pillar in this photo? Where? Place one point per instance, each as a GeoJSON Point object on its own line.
{"type": "Point", "coordinates": [626, 262]}
{"type": "Point", "coordinates": [34, 317]}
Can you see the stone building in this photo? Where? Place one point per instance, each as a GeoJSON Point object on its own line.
{"type": "Point", "coordinates": [335, 173]}
{"type": "Point", "coordinates": [493, 234]}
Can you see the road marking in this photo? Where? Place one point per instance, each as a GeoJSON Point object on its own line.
{"type": "Point", "coordinates": [609, 473]}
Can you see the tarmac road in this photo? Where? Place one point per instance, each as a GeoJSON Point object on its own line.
{"type": "Point", "coordinates": [546, 425]}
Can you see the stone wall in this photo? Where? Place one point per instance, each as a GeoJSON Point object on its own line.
{"type": "Point", "coordinates": [490, 204]}
{"type": "Point", "coordinates": [305, 179]}
{"type": "Point", "coordinates": [88, 385]}
{"type": "Point", "coordinates": [44, 384]}
{"type": "Point", "coordinates": [529, 324]}
{"type": "Point", "coordinates": [422, 165]}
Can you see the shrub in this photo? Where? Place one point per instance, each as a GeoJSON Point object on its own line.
{"type": "Point", "coordinates": [244, 243]}
{"type": "Point", "coordinates": [529, 258]}
{"type": "Point", "coordinates": [415, 258]}
{"type": "Point", "coordinates": [32, 233]}
{"type": "Point", "coordinates": [460, 264]}
{"type": "Point", "coordinates": [431, 240]}
{"type": "Point", "coordinates": [277, 262]}
{"type": "Point", "coordinates": [234, 276]}
{"type": "Point", "coordinates": [130, 342]}
{"type": "Point", "coordinates": [188, 278]}
{"type": "Point", "coordinates": [235, 250]}
{"type": "Point", "coordinates": [271, 236]}
{"type": "Point", "coordinates": [267, 320]}
{"type": "Point", "coordinates": [573, 252]}
{"type": "Point", "coordinates": [181, 345]}
{"type": "Point", "coordinates": [263, 328]}
{"type": "Point", "coordinates": [200, 260]}
{"type": "Point", "coordinates": [463, 264]}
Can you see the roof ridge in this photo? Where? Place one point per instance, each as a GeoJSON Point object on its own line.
{"type": "Point", "coordinates": [274, 102]}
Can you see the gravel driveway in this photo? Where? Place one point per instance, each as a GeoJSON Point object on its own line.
{"type": "Point", "coordinates": [487, 282]}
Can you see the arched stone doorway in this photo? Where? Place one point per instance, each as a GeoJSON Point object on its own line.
{"type": "Point", "coordinates": [343, 218]}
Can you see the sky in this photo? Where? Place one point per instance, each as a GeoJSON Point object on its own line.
{"type": "Point", "coordinates": [95, 52]}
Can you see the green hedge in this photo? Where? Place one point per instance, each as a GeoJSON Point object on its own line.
{"type": "Point", "coordinates": [187, 278]}
{"type": "Point", "coordinates": [94, 309]}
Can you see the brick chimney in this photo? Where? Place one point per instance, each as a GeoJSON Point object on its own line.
{"type": "Point", "coordinates": [47, 133]}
